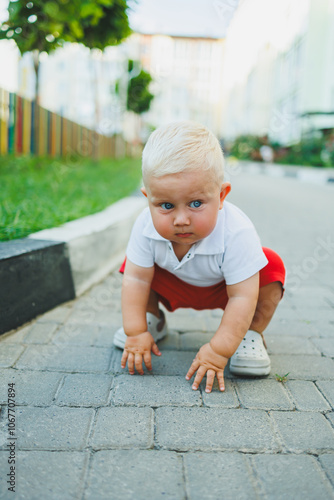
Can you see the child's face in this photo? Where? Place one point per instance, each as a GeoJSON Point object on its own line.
{"type": "Point", "coordinates": [184, 206]}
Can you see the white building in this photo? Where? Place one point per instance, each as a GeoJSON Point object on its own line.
{"type": "Point", "coordinates": [187, 74]}
{"type": "Point", "coordinates": [279, 66]}
{"type": "Point", "coordinates": [80, 84]}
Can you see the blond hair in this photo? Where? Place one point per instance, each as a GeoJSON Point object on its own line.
{"type": "Point", "coordinates": [179, 147]}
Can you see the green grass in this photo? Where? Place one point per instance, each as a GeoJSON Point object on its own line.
{"type": "Point", "coordinates": [39, 193]}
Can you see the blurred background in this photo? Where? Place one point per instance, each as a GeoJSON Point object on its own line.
{"type": "Point", "coordinates": [256, 72]}
{"type": "Point", "coordinates": [92, 79]}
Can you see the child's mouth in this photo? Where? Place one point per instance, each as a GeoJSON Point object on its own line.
{"type": "Point", "coordinates": [183, 235]}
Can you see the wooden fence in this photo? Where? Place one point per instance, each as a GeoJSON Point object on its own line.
{"type": "Point", "coordinates": [27, 128]}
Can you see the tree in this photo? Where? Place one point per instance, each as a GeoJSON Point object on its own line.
{"type": "Point", "coordinates": [42, 26]}
{"type": "Point", "coordinates": [139, 97]}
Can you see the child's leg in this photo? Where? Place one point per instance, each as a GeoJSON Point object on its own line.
{"type": "Point", "coordinates": [269, 297]}
{"type": "Point", "coordinates": [251, 358]}
{"type": "Point", "coordinates": [271, 291]}
{"type": "Point", "coordinates": [153, 304]}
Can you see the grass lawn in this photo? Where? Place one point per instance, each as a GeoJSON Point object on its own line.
{"type": "Point", "coordinates": [39, 193]}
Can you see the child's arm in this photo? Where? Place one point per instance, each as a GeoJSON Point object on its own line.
{"type": "Point", "coordinates": [212, 358]}
{"type": "Point", "coordinates": [135, 293]}
{"type": "Point", "coordinates": [238, 315]}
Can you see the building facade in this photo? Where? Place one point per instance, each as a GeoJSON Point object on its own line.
{"type": "Point", "coordinates": [187, 77]}
{"type": "Point", "coordinates": [279, 62]}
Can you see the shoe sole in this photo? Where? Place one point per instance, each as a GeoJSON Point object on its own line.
{"type": "Point", "coordinates": [252, 371]}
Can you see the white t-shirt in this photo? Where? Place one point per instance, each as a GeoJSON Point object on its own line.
{"type": "Point", "coordinates": [232, 251]}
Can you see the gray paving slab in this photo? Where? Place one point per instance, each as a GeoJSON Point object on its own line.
{"type": "Point", "coordinates": [327, 463]}
{"type": "Point", "coordinates": [46, 474]}
{"type": "Point", "coordinates": [40, 333]}
{"type": "Point", "coordinates": [104, 336]}
{"type": "Point", "coordinates": [208, 429]}
{"type": "Point", "coordinates": [9, 353]}
{"type": "Point", "coordinates": [93, 317]}
{"type": "Point", "coordinates": [31, 388]}
{"type": "Point", "coordinates": [171, 341]}
{"type": "Point", "coordinates": [186, 320]}
{"type": "Point", "coordinates": [325, 345]}
{"type": "Point", "coordinates": [295, 328]}
{"type": "Point", "coordinates": [306, 396]}
{"type": "Point", "coordinates": [57, 315]}
{"type": "Point", "coordinates": [304, 431]}
{"type": "Point", "coordinates": [123, 427]}
{"type": "Point", "coordinates": [154, 391]}
{"type": "Point", "coordinates": [16, 336]}
{"type": "Point", "coordinates": [53, 428]}
{"type": "Point", "coordinates": [289, 344]}
{"type": "Point", "coordinates": [72, 334]}
{"type": "Point", "coordinates": [169, 363]}
{"type": "Point", "coordinates": [84, 389]}
{"type": "Point", "coordinates": [291, 476]}
{"type": "Point", "coordinates": [192, 341]}
{"type": "Point", "coordinates": [327, 389]}
{"type": "Point", "coordinates": [217, 475]}
{"type": "Point", "coordinates": [330, 418]}
{"type": "Point", "coordinates": [302, 367]}
{"type": "Point", "coordinates": [65, 358]}
{"type": "Point", "coordinates": [263, 395]}
{"type": "Point", "coordinates": [216, 398]}
{"type": "Point", "coordinates": [314, 314]}
{"type": "Point", "coordinates": [141, 474]}
{"type": "Point", "coordinates": [323, 328]}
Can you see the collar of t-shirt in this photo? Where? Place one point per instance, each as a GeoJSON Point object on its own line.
{"type": "Point", "coordinates": [213, 244]}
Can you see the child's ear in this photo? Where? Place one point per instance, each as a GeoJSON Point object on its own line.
{"type": "Point", "coordinates": [224, 190]}
{"type": "Point", "coordinates": [143, 190]}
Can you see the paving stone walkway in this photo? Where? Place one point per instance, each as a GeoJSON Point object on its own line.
{"type": "Point", "coordinates": [87, 430]}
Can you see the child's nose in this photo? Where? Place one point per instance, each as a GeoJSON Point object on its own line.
{"type": "Point", "coordinates": [181, 218]}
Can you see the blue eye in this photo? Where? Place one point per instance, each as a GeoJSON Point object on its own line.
{"type": "Point", "coordinates": [167, 206]}
{"type": "Point", "coordinates": [195, 204]}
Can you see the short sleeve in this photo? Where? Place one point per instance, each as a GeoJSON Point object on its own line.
{"type": "Point", "coordinates": [243, 256]}
{"type": "Point", "coordinates": [139, 249]}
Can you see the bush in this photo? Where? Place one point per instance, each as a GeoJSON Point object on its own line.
{"type": "Point", "coordinates": [246, 147]}
{"type": "Point", "coordinates": [316, 152]}
{"type": "Point", "coordinates": [313, 152]}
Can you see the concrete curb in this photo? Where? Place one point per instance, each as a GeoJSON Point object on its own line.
{"type": "Point", "coordinates": [56, 265]}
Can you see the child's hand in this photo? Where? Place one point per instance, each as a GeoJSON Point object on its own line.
{"type": "Point", "coordinates": [138, 349]}
{"type": "Point", "coordinates": [208, 362]}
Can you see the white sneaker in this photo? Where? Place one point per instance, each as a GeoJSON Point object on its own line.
{"type": "Point", "coordinates": [156, 326]}
{"type": "Point", "coordinates": [251, 357]}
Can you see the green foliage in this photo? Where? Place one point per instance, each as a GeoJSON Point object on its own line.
{"type": "Point", "coordinates": [45, 25]}
{"type": "Point", "coordinates": [39, 193]}
{"type": "Point", "coordinates": [312, 151]}
{"type": "Point", "coordinates": [282, 378]}
{"type": "Point", "coordinates": [244, 146]}
{"type": "Point", "coordinates": [139, 97]}
{"type": "Point", "coordinates": [315, 151]}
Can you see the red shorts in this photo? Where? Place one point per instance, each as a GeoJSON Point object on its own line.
{"type": "Point", "coordinates": [175, 293]}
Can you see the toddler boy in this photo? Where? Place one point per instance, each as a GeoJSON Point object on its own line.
{"type": "Point", "coordinates": [191, 248]}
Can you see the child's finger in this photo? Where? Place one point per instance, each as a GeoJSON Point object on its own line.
{"type": "Point", "coordinates": [193, 367]}
{"type": "Point", "coordinates": [199, 377]}
{"type": "Point", "coordinates": [210, 377]}
{"type": "Point", "coordinates": [155, 350]}
{"type": "Point", "coordinates": [131, 363]}
{"type": "Point", "coordinates": [147, 360]}
{"type": "Point", "coordinates": [220, 378]}
{"type": "Point", "coordinates": [138, 363]}
{"type": "Point", "coordinates": [124, 358]}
